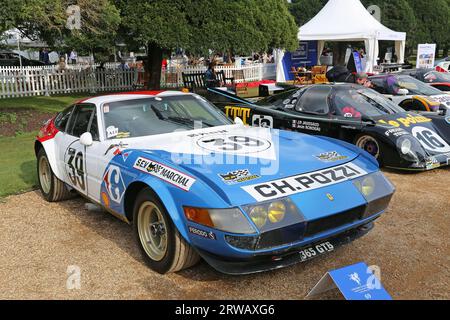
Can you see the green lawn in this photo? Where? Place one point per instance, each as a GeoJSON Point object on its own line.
{"type": "Point", "coordinates": [18, 162]}
{"type": "Point", "coordinates": [42, 103]}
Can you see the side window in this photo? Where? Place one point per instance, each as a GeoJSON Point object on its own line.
{"type": "Point", "coordinates": [62, 118]}
{"type": "Point", "coordinates": [379, 85]}
{"type": "Point", "coordinates": [413, 105]}
{"type": "Point", "coordinates": [80, 120]}
{"type": "Point", "coordinates": [94, 128]}
{"type": "Point", "coordinates": [315, 101]}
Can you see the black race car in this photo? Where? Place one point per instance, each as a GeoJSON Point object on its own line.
{"type": "Point", "coordinates": [439, 80]}
{"type": "Point", "coordinates": [351, 113]}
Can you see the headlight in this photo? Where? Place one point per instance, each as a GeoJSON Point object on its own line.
{"type": "Point", "coordinates": [259, 216]}
{"type": "Point", "coordinates": [274, 214]}
{"type": "Point", "coordinates": [228, 220]}
{"type": "Point", "coordinates": [377, 190]}
{"type": "Point", "coordinates": [405, 147]}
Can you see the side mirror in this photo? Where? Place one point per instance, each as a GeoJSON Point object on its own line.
{"type": "Point", "coordinates": [239, 121]}
{"type": "Point", "coordinates": [403, 92]}
{"type": "Point", "coordinates": [86, 139]}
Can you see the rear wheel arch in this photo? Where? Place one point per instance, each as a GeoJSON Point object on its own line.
{"type": "Point", "coordinates": [37, 147]}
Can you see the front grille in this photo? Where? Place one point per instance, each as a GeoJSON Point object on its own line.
{"type": "Point", "coordinates": [331, 222]}
{"type": "Point", "coordinates": [281, 236]}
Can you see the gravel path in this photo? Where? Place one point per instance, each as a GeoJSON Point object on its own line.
{"type": "Point", "coordinates": [38, 241]}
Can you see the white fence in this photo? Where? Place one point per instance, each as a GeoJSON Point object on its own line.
{"type": "Point", "coordinates": [172, 77]}
{"type": "Point", "coordinates": [45, 82]}
{"type": "Point", "coordinates": [34, 81]}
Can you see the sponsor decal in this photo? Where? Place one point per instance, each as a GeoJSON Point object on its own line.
{"type": "Point", "coordinates": [125, 155]}
{"type": "Point", "coordinates": [306, 125]}
{"type": "Point", "coordinates": [208, 133]}
{"type": "Point", "coordinates": [116, 147]}
{"type": "Point", "coordinates": [432, 163]}
{"type": "Point", "coordinates": [111, 132]}
{"type": "Point", "coordinates": [163, 172]}
{"type": "Point", "coordinates": [262, 121]}
{"type": "Point", "coordinates": [406, 121]}
{"type": "Point", "coordinates": [201, 233]}
{"type": "Point", "coordinates": [397, 132]}
{"type": "Point", "coordinates": [238, 176]}
{"type": "Point", "coordinates": [330, 197]}
{"type": "Point", "coordinates": [115, 187]}
{"type": "Point", "coordinates": [430, 140]}
{"type": "Point", "coordinates": [238, 112]}
{"type": "Point", "coordinates": [304, 182]}
{"type": "Point", "coordinates": [331, 156]}
{"type": "Point", "coordinates": [106, 108]}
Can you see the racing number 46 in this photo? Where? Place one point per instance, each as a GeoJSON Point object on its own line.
{"type": "Point", "coordinates": [76, 168]}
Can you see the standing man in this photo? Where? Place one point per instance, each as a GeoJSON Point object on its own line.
{"type": "Point", "coordinates": [46, 56]}
{"type": "Point", "coordinates": [73, 56]}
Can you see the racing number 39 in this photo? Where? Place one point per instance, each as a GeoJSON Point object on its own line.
{"type": "Point", "coordinates": [75, 163]}
{"type": "Point", "coordinates": [232, 143]}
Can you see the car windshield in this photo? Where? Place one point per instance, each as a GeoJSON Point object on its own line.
{"type": "Point", "coordinates": [435, 76]}
{"type": "Point", "coordinates": [151, 116]}
{"type": "Point", "coordinates": [357, 103]}
{"type": "Point", "coordinates": [414, 86]}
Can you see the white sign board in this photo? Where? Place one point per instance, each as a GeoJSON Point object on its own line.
{"type": "Point", "coordinates": [426, 54]}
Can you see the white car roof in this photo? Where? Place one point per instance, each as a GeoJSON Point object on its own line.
{"type": "Point", "coordinates": [131, 96]}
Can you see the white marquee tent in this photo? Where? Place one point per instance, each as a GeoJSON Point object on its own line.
{"type": "Point", "coordinates": [348, 20]}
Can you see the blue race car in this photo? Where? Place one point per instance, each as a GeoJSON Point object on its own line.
{"type": "Point", "coordinates": [193, 184]}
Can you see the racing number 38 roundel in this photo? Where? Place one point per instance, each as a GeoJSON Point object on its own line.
{"type": "Point", "coordinates": [430, 140]}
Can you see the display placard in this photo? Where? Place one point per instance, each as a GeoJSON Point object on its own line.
{"type": "Point", "coordinates": [426, 54]}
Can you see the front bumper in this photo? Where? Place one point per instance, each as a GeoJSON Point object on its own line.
{"type": "Point", "coordinates": [431, 163]}
{"type": "Point", "coordinates": [277, 260]}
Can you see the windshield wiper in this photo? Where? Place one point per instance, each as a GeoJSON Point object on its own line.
{"type": "Point", "coordinates": [189, 121]}
{"type": "Point", "coordinates": [157, 112]}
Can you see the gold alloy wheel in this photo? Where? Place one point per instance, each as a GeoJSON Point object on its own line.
{"type": "Point", "coordinates": [45, 174]}
{"type": "Point", "coordinates": [152, 230]}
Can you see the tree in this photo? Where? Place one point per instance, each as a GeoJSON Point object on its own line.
{"type": "Point", "coordinates": [238, 26]}
{"type": "Point", "coordinates": [305, 10]}
{"type": "Point", "coordinates": [46, 20]}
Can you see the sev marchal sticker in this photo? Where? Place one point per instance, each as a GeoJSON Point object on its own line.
{"type": "Point", "coordinates": [304, 182]}
{"type": "Point", "coordinates": [331, 156]}
{"type": "Point", "coordinates": [163, 172]}
{"type": "Point", "coordinates": [238, 176]}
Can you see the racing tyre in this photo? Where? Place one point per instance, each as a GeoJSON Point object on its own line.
{"type": "Point", "coordinates": [163, 248]}
{"type": "Point", "coordinates": [52, 188]}
{"type": "Point", "coordinates": [370, 145]}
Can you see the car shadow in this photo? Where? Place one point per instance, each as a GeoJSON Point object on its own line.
{"type": "Point", "coordinates": [120, 233]}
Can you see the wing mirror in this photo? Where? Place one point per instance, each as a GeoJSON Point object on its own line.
{"type": "Point", "coordinates": [86, 139]}
{"type": "Point", "coordinates": [403, 92]}
{"type": "Point", "coordinates": [239, 121]}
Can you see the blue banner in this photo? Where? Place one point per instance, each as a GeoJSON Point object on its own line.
{"type": "Point", "coordinates": [305, 56]}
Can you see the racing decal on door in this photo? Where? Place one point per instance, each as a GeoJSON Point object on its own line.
{"type": "Point", "coordinates": [234, 143]}
{"type": "Point", "coordinates": [262, 121]}
{"type": "Point", "coordinates": [238, 112]}
{"type": "Point", "coordinates": [74, 165]}
{"type": "Point", "coordinates": [430, 140]}
{"type": "Point", "coordinates": [163, 172]}
{"type": "Point", "coordinates": [114, 184]}
{"type": "Point", "coordinates": [304, 182]}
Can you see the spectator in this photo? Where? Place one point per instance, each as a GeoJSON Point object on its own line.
{"type": "Point", "coordinates": [363, 80]}
{"type": "Point", "coordinates": [46, 57]}
{"type": "Point", "coordinates": [61, 64]}
{"type": "Point", "coordinates": [123, 65]}
{"type": "Point", "coordinates": [73, 56]}
{"type": "Point", "coordinates": [41, 55]}
{"type": "Point", "coordinates": [211, 80]}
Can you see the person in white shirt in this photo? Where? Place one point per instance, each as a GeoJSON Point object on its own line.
{"type": "Point", "coordinates": [73, 56]}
